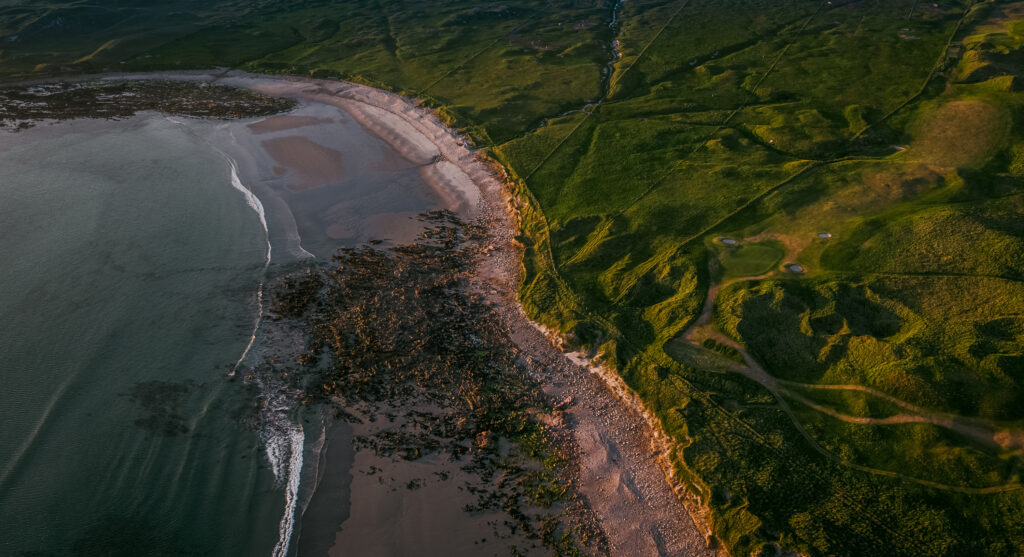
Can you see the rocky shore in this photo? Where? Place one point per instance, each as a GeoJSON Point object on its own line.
{"type": "Point", "coordinates": [23, 106]}
{"type": "Point", "coordinates": [437, 396]}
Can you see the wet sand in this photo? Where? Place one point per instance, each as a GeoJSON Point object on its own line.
{"type": "Point", "coordinates": [313, 164]}
{"type": "Point", "coordinates": [330, 182]}
{"type": "Point", "coordinates": [414, 507]}
{"type": "Point", "coordinates": [331, 483]}
{"type": "Point", "coordinates": [284, 122]}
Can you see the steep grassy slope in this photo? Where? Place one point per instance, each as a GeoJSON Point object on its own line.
{"type": "Point", "coordinates": [856, 385]}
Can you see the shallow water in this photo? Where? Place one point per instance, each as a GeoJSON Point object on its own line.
{"type": "Point", "coordinates": [132, 268]}
{"type": "Point", "coordinates": [327, 183]}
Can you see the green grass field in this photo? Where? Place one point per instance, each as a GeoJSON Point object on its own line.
{"type": "Point", "coordinates": [877, 144]}
{"type": "Point", "coordinates": [751, 259]}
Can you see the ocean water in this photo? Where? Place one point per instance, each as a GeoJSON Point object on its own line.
{"type": "Point", "coordinates": [136, 256]}
{"type": "Point", "coordinates": [127, 294]}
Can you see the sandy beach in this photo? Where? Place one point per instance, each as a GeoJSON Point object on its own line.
{"type": "Point", "coordinates": [622, 465]}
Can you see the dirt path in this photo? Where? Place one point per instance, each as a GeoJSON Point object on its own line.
{"type": "Point", "coordinates": [754, 371]}
{"type": "Point", "coordinates": [990, 424]}
{"type": "Point", "coordinates": [703, 321]}
{"type": "Point", "coordinates": [982, 431]}
{"type": "Point", "coordinates": [978, 433]}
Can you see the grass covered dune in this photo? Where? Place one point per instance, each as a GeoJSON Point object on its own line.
{"type": "Point", "coordinates": [845, 376]}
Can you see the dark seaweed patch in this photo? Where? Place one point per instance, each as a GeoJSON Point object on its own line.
{"type": "Point", "coordinates": [22, 108]}
{"type": "Point", "coordinates": [160, 402]}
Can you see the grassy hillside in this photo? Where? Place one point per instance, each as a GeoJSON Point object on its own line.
{"type": "Point", "coordinates": [845, 179]}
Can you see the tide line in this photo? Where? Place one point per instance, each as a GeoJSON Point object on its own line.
{"type": "Point", "coordinates": [257, 206]}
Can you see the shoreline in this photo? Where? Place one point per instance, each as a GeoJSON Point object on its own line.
{"type": "Point", "coordinates": [612, 428]}
{"type": "Point", "coordinates": [624, 467]}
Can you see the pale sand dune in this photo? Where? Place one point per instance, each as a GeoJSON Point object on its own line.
{"type": "Point", "coordinates": [398, 133]}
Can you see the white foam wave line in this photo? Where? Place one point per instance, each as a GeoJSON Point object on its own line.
{"type": "Point", "coordinates": [32, 436]}
{"type": "Point", "coordinates": [250, 198]}
{"type": "Point", "coordinates": [257, 206]}
{"type": "Point", "coordinates": [284, 441]}
{"type": "Point", "coordinates": [255, 328]}
{"type": "Point", "coordinates": [284, 451]}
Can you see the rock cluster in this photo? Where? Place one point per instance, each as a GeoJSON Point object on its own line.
{"type": "Point", "coordinates": [396, 336]}
{"type": "Point", "coordinates": [23, 107]}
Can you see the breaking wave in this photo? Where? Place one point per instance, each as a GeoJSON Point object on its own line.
{"type": "Point", "coordinates": [254, 203]}
{"type": "Point", "coordinates": [284, 443]}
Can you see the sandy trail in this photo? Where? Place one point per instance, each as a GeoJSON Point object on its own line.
{"type": "Point", "coordinates": [983, 431]}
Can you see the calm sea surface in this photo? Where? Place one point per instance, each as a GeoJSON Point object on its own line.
{"type": "Point", "coordinates": [127, 293]}
{"type": "Point", "coordinates": [135, 258]}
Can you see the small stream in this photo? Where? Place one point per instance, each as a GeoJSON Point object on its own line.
{"type": "Point", "coordinates": [615, 52]}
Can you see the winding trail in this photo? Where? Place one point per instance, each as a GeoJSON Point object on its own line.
{"type": "Point", "coordinates": [986, 432]}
